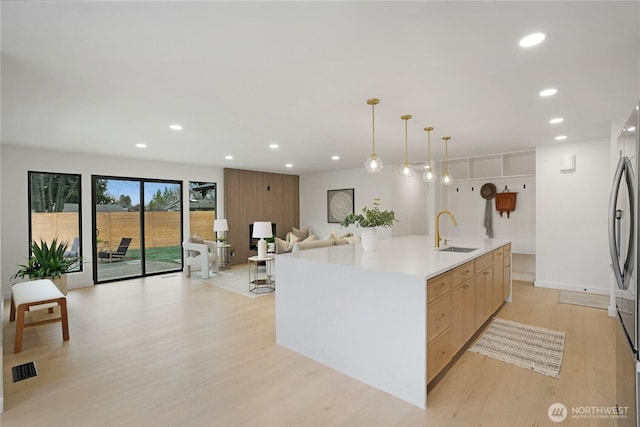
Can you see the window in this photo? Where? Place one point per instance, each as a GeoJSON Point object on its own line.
{"type": "Point", "coordinates": [202, 209]}
{"type": "Point", "coordinates": [55, 210]}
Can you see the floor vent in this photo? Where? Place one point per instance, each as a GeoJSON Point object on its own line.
{"type": "Point", "coordinates": [22, 372]}
{"type": "Point", "coordinates": [169, 276]}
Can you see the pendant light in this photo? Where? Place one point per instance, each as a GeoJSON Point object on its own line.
{"type": "Point", "coordinates": [406, 170]}
{"type": "Point", "coordinates": [446, 178]}
{"type": "Point", "coordinates": [429, 175]}
{"type": "Point", "coordinates": [373, 163]}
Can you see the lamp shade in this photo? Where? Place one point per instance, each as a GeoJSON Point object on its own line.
{"type": "Point", "coordinates": [262, 229]}
{"type": "Point", "coordinates": [220, 225]}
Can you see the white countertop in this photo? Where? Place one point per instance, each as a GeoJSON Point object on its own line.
{"type": "Point", "coordinates": [411, 255]}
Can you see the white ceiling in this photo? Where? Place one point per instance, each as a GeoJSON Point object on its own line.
{"type": "Point", "coordinates": [100, 77]}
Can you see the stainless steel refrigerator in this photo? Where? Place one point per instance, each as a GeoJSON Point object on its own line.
{"type": "Point", "coordinates": [623, 243]}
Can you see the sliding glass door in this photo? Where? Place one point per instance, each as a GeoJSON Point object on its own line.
{"type": "Point", "coordinates": [138, 227]}
{"type": "Point", "coordinates": [162, 226]}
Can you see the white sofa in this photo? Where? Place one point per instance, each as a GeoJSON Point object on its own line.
{"type": "Point", "coordinates": [202, 256]}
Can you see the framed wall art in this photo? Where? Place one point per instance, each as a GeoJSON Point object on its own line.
{"type": "Point", "coordinates": [340, 203]}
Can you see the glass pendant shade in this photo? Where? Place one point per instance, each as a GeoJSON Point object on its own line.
{"type": "Point", "coordinates": [373, 163]}
{"type": "Point", "coordinates": [429, 175]}
{"type": "Point", "coordinates": [446, 178]}
{"type": "Point", "coordinates": [406, 170]}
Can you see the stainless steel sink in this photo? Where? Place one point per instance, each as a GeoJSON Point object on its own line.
{"type": "Point", "coordinates": [458, 249]}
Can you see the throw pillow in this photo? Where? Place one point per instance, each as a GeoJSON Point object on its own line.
{"type": "Point", "coordinates": [311, 238]}
{"type": "Point", "coordinates": [346, 235]}
{"type": "Point", "coordinates": [195, 239]}
{"type": "Point", "coordinates": [332, 236]}
{"type": "Point", "coordinates": [282, 246]}
{"type": "Point", "coordinates": [302, 233]}
{"type": "Point", "coordinates": [292, 239]}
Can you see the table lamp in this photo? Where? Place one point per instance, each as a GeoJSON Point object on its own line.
{"type": "Point", "coordinates": [262, 229]}
{"type": "Point", "coordinates": [220, 226]}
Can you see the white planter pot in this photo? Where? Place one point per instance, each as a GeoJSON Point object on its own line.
{"type": "Point", "coordinates": [369, 238]}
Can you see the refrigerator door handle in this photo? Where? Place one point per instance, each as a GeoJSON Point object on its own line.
{"type": "Point", "coordinates": [623, 168]}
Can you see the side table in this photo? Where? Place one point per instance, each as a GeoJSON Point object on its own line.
{"type": "Point", "coordinates": [223, 256]}
{"type": "Point", "coordinates": [261, 282]}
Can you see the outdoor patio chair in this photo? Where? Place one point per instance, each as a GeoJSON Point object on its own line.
{"type": "Point", "coordinates": [118, 254]}
{"type": "Point", "coordinates": [73, 252]}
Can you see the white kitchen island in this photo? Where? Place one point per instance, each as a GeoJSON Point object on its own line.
{"type": "Point", "coordinates": [364, 313]}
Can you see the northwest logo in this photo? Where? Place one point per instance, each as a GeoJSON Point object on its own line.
{"type": "Point", "coordinates": [557, 412]}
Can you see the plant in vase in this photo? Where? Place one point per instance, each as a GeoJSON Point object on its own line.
{"type": "Point", "coordinates": [369, 220]}
{"type": "Point", "coordinates": [49, 262]}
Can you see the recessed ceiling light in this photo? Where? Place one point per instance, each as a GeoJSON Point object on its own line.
{"type": "Point", "coordinates": [556, 120]}
{"type": "Point", "coordinates": [141, 145]}
{"type": "Point", "coordinates": [548, 92]}
{"type": "Point", "coordinates": [273, 146]}
{"type": "Point", "coordinates": [561, 137]}
{"type": "Point", "coordinates": [532, 39]}
{"type": "Point", "coordinates": [175, 127]}
{"type": "Point", "coordinates": [228, 157]}
{"type": "Point", "coordinates": [288, 165]}
{"type": "Point", "coordinates": [335, 157]}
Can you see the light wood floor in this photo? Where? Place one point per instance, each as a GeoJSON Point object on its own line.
{"type": "Point", "coordinates": [172, 351]}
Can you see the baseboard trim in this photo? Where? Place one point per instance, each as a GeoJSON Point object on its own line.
{"type": "Point", "coordinates": [526, 277]}
{"type": "Point", "coordinates": [569, 287]}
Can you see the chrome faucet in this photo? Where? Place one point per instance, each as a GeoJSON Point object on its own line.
{"type": "Point", "coordinates": [453, 219]}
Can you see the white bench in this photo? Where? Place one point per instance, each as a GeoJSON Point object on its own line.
{"type": "Point", "coordinates": [37, 294]}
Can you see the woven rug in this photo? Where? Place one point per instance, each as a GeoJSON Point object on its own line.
{"type": "Point", "coordinates": [529, 347]}
{"type": "Point", "coordinates": [585, 299]}
{"type": "Point", "coordinates": [235, 279]}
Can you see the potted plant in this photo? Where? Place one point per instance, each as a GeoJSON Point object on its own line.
{"type": "Point", "coordinates": [369, 220]}
{"type": "Point", "coordinates": [49, 262]}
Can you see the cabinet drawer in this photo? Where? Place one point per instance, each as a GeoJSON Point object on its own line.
{"type": "Point", "coordinates": [507, 255]}
{"type": "Point", "coordinates": [438, 316]}
{"type": "Point", "coordinates": [438, 355]}
{"type": "Point", "coordinates": [438, 285]}
{"type": "Point", "coordinates": [484, 261]}
{"type": "Point", "coordinates": [462, 273]}
{"type": "Point", "coordinates": [498, 256]}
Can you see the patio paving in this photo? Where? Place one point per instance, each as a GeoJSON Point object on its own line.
{"type": "Point", "coordinates": [128, 268]}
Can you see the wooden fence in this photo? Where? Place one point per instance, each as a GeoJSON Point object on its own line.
{"type": "Point", "coordinates": [161, 228]}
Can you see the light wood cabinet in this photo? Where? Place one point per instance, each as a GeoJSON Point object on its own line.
{"type": "Point", "coordinates": [438, 316]}
{"type": "Point", "coordinates": [497, 293]}
{"type": "Point", "coordinates": [463, 273]}
{"type": "Point", "coordinates": [463, 312]}
{"type": "Point", "coordinates": [438, 324]}
{"type": "Point", "coordinates": [506, 274]}
{"type": "Point", "coordinates": [438, 286]}
{"type": "Point", "coordinates": [460, 301]}
{"type": "Point", "coordinates": [438, 354]}
{"type": "Point", "coordinates": [483, 284]}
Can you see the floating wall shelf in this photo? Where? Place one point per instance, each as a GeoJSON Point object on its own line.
{"type": "Point", "coordinates": [504, 165]}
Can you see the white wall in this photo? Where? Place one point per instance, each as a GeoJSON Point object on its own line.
{"type": "Point", "coordinates": [463, 199]}
{"type": "Point", "coordinates": [571, 217]}
{"type": "Point", "coordinates": [410, 204]}
{"type": "Point", "coordinates": [407, 198]}
{"type": "Point", "coordinates": [16, 162]}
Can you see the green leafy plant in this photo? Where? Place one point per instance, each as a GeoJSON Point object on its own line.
{"type": "Point", "coordinates": [371, 217]}
{"type": "Point", "coordinates": [47, 260]}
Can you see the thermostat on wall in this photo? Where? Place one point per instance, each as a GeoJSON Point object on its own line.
{"type": "Point", "coordinates": [568, 163]}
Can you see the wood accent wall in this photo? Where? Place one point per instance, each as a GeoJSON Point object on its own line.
{"type": "Point", "coordinates": [251, 196]}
